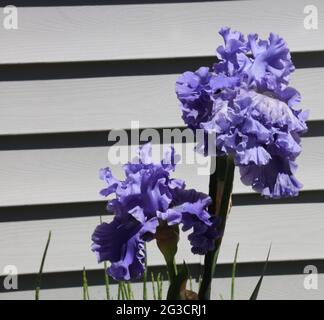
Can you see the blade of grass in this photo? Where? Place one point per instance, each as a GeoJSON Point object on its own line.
{"type": "Point", "coordinates": [85, 285]}
{"type": "Point", "coordinates": [153, 286]}
{"type": "Point", "coordinates": [130, 291]}
{"type": "Point", "coordinates": [255, 292]}
{"type": "Point", "coordinates": [159, 284]}
{"type": "Point", "coordinates": [106, 277]}
{"type": "Point", "coordinates": [39, 277]}
{"type": "Point", "coordinates": [190, 283]}
{"type": "Point", "coordinates": [119, 291]}
{"type": "Point", "coordinates": [145, 285]}
{"type": "Point", "coordinates": [160, 291]}
{"type": "Point", "coordinates": [107, 285]}
{"type": "Point", "coordinates": [234, 272]}
{"type": "Point", "coordinates": [123, 290]}
{"type": "Point", "coordinates": [126, 290]}
{"type": "Point", "coordinates": [199, 282]}
{"type": "Point", "coordinates": [145, 276]}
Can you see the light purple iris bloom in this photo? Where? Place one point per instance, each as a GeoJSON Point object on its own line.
{"type": "Point", "coordinates": [147, 196]}
{"type": "Point", "coordinates": [245, 100]}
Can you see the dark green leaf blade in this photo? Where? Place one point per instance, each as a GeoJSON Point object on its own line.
{"type": "Point", "coordinates": [145, 276]}
{"type": "Point", "coordinates": [255, 292]}
{"type": "Point", "coordinates": [85, 285]}
{"type": "Point", "coordinates": [106, 277]}
{"type": "Point", "coordinates": [107, 282]}
{"type": "Point", "coordinates": [153, 286]}
{"type": "Point", "coordinates": [174, 292]}
{"type": "Point", "coordinates": [39, 277]}
{"type": "Point", "coordinates": [234, 272]}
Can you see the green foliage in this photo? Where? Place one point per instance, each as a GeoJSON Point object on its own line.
{"type": "Point", "coordinates": [190, 283]}
{"type": "Point", "coordinates": [106, 278]}
{"type": "Point", "coordinates": [86, 295]}
{"type": "Point", "coordinates": [255, 293]}
{"type": "Point", "coordinates": [177, 287]}
{"type": "Point", "coordinates": [153, 286]}
{"type": "Point", "coordinates": [145, 278]}
{"type": "Point", "coordinates": [160, 286]}
{"type": "Point", "coordinates": [178, 284]}
{"type": "Point", "coordinates": [221, 182]}
{"type": "Point", "coordinates": [130, 291]}
{"type": "Point", "coordinates": [234, 272]}
{"type": "Point", "coordinates": [39, 277]}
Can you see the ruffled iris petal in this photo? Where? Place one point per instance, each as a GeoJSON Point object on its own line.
{"type": "Point", "coordinates": [193, 215]}
{"type": "Point", "coordinates": [252, 111]}
{"type": "Point", "coordinates": [274, 180]}
{"type": "Point", "coordinates": [146, 196]}
{"type": "Point", "coordinates": [272, 63]}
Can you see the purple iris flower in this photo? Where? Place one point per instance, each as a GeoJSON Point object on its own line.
{"type": "Point", "coordinates": [146, 197]}
{"type": "Point", "coordinates": [245, 101]}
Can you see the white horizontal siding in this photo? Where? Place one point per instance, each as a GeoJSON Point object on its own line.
{"type": "Point", "coordinates": [113, 102]}
{"type": "Point", "coordinates": [56, 176]}
{"type": "Point", "coordinates": [274, 287]}
{"type": "Point", "coordinates": [71, 175]}
{"type": "Point", "coordinates": [70, 245]}
{"type": "Point", "coordinates": [295, 231]}
{"type": "Point", "coordinates": [88, 33]}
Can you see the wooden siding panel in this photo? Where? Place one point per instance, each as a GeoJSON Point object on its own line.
{"type": "Point", "coordinates": [71, 175]}
{"type": "Point", "coordinates": [93, 104]}
{"type": "Point", "coordinates": [274, 287]}
{"type": "Point", "coordinates": [88, 33]}
{"type": "Point", "coordinates": [295, 231]}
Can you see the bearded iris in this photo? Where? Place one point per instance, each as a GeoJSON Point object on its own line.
{"type": "Point", "coordinates": [144, 203]}
{"type": "Point", "coordinates": [245, 101]}
{"type": "Point", "coordinates": [246, 108]}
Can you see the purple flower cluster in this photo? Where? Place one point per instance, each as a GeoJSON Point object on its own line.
{"type": "Point", "coordinates": [245, 101]}
{"type": "Point", "coordinates": [146, 197]}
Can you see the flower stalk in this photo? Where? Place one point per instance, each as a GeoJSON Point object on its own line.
{"type": "Point", "coordinates": [220, 190]}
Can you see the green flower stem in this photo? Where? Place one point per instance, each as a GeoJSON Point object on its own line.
{"type": "Point", "coordinates": [220, 190]}
{"type": "Point", "coordinates": [172, 269]}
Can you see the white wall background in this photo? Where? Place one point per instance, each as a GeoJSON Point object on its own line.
{"type": "Point", "coordinates": [69, 74]}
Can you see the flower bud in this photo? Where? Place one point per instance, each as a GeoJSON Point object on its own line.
{"type": "Point", "coordinates": [167, 238]}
